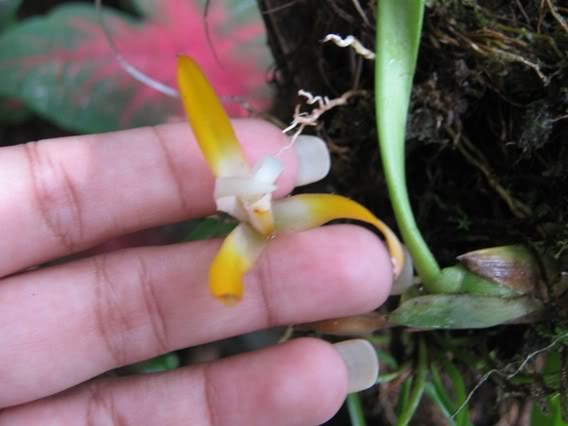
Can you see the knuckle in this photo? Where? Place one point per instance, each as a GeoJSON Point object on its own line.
{"type": "Point", "coordinates": [56, 196]}
{"type": "Point", "coordinates": [122, 305]}
{"type": "Point", "coordinates": [211, 396]}
{"type": "Point", "coordinates": [263, 276]}
{"type": "Point", "coordinates": [101, 408]}
{"type": "Point", "coordinates": [152, 306]}
{"type": "Point", "coordinates": [110, 319]}
{"type": "Point", "coordinates": [173, 171]}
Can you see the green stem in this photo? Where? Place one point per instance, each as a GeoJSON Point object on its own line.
{"type": "Point", "coordinates": [445, 399]}
{"type": "Point", "coordinates": [431, 391]}
{"type": "Point", "coordinates": [392, 375]}
{"type": "Point", "coordinates": [399, 24]}
{"type": "Point", "coordinates": [462, 418]}
{"type": "Point", "coordinates": [418, 387]}
{"type": "Point", "coordinates": [355, 410]}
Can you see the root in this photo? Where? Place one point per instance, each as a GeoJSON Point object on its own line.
{"type": "Point", "coordinates": [352, 42]}
{"type": "Point", "coordinates": [503, 371]}
{"type": "Point", "coordinates": [303, 119]}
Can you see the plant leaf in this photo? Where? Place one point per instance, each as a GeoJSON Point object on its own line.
{"type": "Point", "coordinates": [8, 10]}
{"type": "Point", "coordinates": [355, 408]}
{"type": "Point", "coordinates": [553, 418]}
{"type": "Point", "coordinates": [399, 24]}
{"type": "Point", "coordinates": [169, 361]}
{"type": "Point", "coordinates": [456, 378]}
{"type": "Point", "coordinates": [210, 227]}
{"type": "Point", "coordinates": [62, 66]}
{"type": "Point", "coordinates": [554, 402]}
{"type": "Point", "coordinates": [145, 7]}
{"type": "Point", "coordinates": [408, 408]}
{"type": "Point", "coordinates": [13, 111]}
{"type": "Point", "coordinates": [461, 311]}
{"type": "Point", "coordinates": [439, 394]}
{"type": "Point", "coordinates": [240, 11]}
{"type": "Point", "coordinates": [432, 392]}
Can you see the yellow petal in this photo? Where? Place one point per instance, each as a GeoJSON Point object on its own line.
{"type": "Point", "coordinates": [307, 211]}
{"type": "Point", "coordinates": [237, 255]}
{"type": "Point", "coordinates": [209, 121]}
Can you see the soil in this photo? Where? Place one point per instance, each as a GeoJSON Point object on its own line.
{"type": "Point", "coordinates": [486, 152]}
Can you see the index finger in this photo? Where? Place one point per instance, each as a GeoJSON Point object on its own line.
{"type": "Point", "coordinates": [61, 196]}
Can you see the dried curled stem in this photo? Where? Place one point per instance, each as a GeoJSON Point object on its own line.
{"type": "Point", "coordinates": [324, 104]}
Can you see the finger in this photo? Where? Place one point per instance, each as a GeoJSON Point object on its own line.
{"type": "Point", "coordinates": [64, 195]}
{"type": "Point", "coordinates": [79, 320]}
{"type": "Point", "coordinates": [302, 382]}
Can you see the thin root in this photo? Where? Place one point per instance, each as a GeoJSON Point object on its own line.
{"type": "Point", "coordinates": [557, 15]}
{"type": "Point", "coordinates": [361, 12]}
{"type": "Point", "coordinates": [352, 42]}
{"type": "Point", "coordinates": [303, 119]}
{"type": "Point", "coordinates": [476, 158]}
{"type": "Point", "coordinates": [502, 371]}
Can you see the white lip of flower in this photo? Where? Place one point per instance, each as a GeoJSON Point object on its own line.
{"type": "Point", "coordinates": [249, 198]}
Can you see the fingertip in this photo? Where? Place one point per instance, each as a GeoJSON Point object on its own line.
{"type": "Point", "coordinates": [261, 138]}
{"type": "Point", "coordinates": [311, 380]}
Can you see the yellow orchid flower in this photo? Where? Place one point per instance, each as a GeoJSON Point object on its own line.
{"type": "Point", "coordinates": [246, 193]}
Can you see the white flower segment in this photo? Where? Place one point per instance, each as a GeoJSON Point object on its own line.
{"type": "Point", "coordinates": [249, 198]}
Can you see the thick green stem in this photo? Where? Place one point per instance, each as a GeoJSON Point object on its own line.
{"type": "Point", "coordinates": [399, 24]}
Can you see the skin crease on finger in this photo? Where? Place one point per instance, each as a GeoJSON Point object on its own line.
{"type": "Point", "coordinates": [302, 382]}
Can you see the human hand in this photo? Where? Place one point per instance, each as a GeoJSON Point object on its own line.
{"type": "Point", "coordinates": [65, 324]}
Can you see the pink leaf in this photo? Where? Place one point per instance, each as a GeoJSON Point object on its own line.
{"type": "Point", "coordinates": [62, 65]}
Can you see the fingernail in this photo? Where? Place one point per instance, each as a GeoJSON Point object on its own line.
{"type": "Point", "coordinates": [361, 361]}
{"type": "Point", "coordinates": [406, 278]}
{"type": "Point", "coordinates": [313, 159]}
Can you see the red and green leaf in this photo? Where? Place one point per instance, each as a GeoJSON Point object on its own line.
{"type": "Point", "coordinates": [62, 67]}
{"type": "Point", "coordinates": [13, 112]}
{"type": "Point", "coordinates": [8, 10]}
